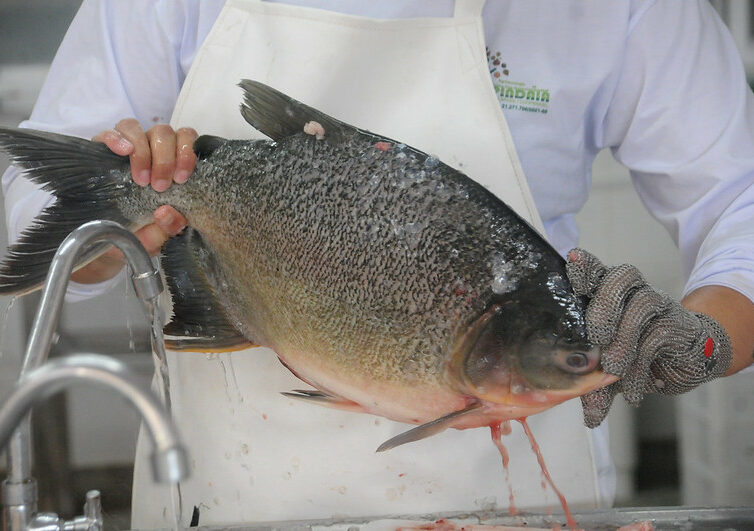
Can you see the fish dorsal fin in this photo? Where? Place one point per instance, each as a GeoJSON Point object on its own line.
{"type": "Point", "coordinates": [205, 145]}
{"type": "Point", "coordinates": [427, 430]}
{"type": "Point", "coordinates": [199, 321]}
{"type": "Point", "coordinates": [279, 116]}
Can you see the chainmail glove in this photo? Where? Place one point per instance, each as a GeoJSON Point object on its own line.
{"type": "Point", "coordinates": [649, 340]}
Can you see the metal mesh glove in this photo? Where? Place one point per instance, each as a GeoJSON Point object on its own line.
{"type": "Point", "coordinates": [649, 340]}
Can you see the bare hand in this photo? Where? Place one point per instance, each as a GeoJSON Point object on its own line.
{"type": "Point", "coordinates": [159, 157]}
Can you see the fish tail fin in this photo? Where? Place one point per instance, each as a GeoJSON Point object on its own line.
{"type": "Point", "coordinates": [85, 177]}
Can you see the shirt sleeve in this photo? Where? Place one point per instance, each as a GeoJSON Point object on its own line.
{"type": "Point", "coordinates": [681, 119]}
{"type": "Point", "coordinates": [117, 60]}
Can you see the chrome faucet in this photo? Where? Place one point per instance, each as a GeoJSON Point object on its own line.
{"type": "Point", "coordinates": [19, 490]}
{"type": "Point", "coordinates": [169, 460]}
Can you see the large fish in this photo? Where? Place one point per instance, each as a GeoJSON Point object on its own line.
{"type": "Point", "coordinates": [389, 281]}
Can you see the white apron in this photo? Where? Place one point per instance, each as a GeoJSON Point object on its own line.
{"type": "Point", "coordinates": [258, 456]}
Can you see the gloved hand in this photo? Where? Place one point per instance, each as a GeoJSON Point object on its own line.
{"type": "Point", "coordinates": [649, 340]}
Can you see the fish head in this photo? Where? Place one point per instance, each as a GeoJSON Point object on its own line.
{"type": "Point", "coordinates": [528, 351]}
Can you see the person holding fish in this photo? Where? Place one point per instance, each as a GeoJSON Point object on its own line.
{"type": "Point", "coordinates": [405, 278]}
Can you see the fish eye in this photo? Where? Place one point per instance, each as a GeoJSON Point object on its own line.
{"type": "Point", "coordinates": [576, 362]}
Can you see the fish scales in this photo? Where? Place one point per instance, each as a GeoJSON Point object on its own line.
{"type": "Point", "coordinates": [377, 273]}
{"type": "Point", "coordinates": [311, 257]}
{"type": "Point", "coordinates": [306, 260]}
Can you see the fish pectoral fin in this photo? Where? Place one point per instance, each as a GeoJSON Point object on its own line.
{"type": "Point", "coordinates": [324, 399]}
{"type": "Point", "coordinates": [199, 322]}
{"type": "Point", "coordinates": [427, 430]}
{"type": "Point", "coordinates": [209, 345]}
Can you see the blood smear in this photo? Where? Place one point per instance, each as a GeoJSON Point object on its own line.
{"type": "Point", "coordinates": [535, 447]}
{"type": "Point", "coordinates": [497, 431]}
{"type": "Point", "coordinates": [437, 525]}
{"type": "Point", "coordinates": [446, 525]}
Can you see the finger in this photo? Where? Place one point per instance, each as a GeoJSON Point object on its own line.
{"type": "Point", "coordinates": [658, 343]}
{"type": "Point", "coordinates": [596, 404]}
{"type": "Point", "coordinates": [152, 237]}
{"type": "Point", "coordinates": [167, 223]}
{"type": "Point", "coordinates": [169, 220]}
{"type": "Point", "coordinates": [645, 305]}
{"type": "Point", "coordinates": [606, 307]}
{"type": "Point", "coordinates": [584, 271]}
{"type": "Point", "coordinates": [115, 140]}
{"type": "Point", "coordinates": [141, 157]}
{"type": "Point", "coordinates": [185, 158]}
{"type": "Point", "coordinates": [162, 142]}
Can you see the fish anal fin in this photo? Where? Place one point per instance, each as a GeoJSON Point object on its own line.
{"type": "Point", "coordinates": [199, 322]}
{"type": "Point", "coordinates": [325, 399]}
{"type": "Point", "coordinates": [427, 430]}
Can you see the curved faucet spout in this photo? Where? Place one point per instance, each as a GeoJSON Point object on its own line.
{"type": "Point", "coordinates": [145, 276]}
{"type": "Point", "coordinates": [169, 460]}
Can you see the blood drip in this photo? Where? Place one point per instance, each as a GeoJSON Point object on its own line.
{"type": "Point", "coordinates": [535, 447]}
{"type": "Point", "coordinates": [497, 431]}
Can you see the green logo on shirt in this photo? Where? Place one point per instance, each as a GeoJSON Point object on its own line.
{"type": "Point", "coordinates": [515, 95]}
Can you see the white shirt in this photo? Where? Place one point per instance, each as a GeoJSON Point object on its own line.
{"type": "Point", "coordinates": [658, 82]}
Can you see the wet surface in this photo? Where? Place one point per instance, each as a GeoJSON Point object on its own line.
{"type": "Point", "coordinates": [667, 518]}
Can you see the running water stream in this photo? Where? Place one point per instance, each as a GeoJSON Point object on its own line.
{"type": "Point", "coordinates": [127, 294]}
{"type": "Point", "coordinates": [159, 356]}
{"type": "Point", "coordinates": [5, 319]}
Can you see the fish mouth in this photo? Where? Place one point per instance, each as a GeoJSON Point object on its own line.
{"type": "Point", "coordinates": [520, 393]}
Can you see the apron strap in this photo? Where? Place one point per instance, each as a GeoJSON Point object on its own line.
{"type": "Point", "coordinates": [468, 8]}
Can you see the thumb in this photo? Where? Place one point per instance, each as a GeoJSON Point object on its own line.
{"type": "Point", "coordinates": [596, 404]}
